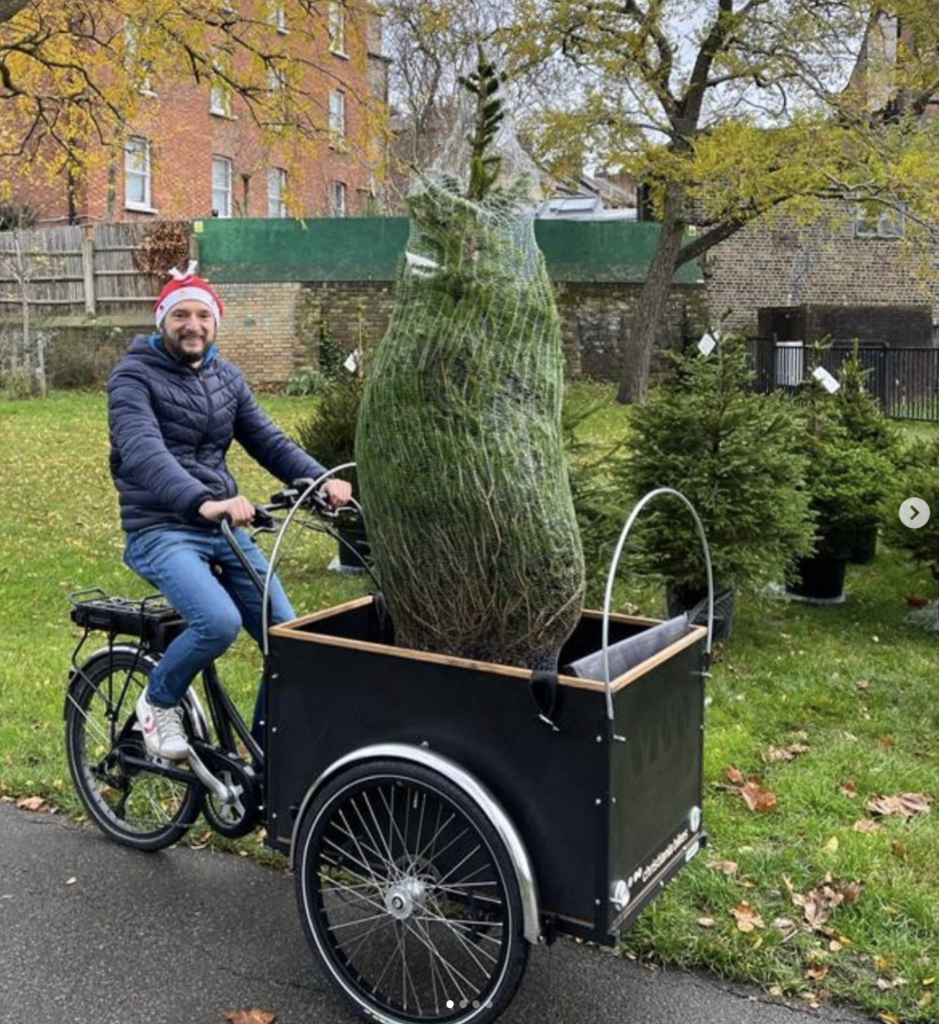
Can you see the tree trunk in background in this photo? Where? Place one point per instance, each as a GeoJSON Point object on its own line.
{"type": "Point", "coordinates": [652, 305]}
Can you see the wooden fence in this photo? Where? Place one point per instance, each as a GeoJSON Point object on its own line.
{"type": "Point", "coordinates": [65, 273]}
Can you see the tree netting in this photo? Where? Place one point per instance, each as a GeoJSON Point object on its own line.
{"type": "Point", "coordinates": [461, 465]}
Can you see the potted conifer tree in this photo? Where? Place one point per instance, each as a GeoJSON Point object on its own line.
{"type": "Point", "coordinates": [734, 453]}
{"type": "Point", "coordinates": [864, 422]}
{"type": "Point", "coordinates": [848, 483]}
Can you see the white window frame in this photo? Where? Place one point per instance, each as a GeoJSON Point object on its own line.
{"type": "Point", "coordinates": [337, 118]}
{"type": "Point", "coordinates": [890, 222]}
{"type": "Point", "coordinates": [220, 98]}
{"type": "Point", "coordinates": [136, 146]}
{"type": "Point", "coordinates": [223, 190]}
{"type": "Point", "coordinates": [133, 60]}
{"type": "Point", "coordinates": [276, 192]}
{"type": "Point", "coordinates": [338, 196]}
{"type": "Point", "coordinates": [278, 16]}
{"type": "Point", "coordinates": [336, 26]}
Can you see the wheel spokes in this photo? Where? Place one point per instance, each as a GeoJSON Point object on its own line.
{"type": "Point", "coordinates": [411, 898]}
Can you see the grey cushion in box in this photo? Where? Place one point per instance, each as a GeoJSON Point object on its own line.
{"type": "Point", "coordinates": [628, 653]}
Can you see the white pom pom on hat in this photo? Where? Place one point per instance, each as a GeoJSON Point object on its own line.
{"type": "Point", "coordinates": [186, 287]}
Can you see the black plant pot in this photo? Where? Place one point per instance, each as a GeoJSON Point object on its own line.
{"type": "Point", "coordinates": [680, 599]}
{"type": "Point", "coordinates": [863, 547]}
{"type": "Point", "coordinates": [819, 579]}
{"type": "Point", "coordinates": [355, 549]}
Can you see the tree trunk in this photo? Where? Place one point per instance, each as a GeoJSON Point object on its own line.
{"type": "Point", "coordinates": [653, 302]}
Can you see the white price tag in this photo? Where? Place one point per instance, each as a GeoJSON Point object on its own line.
{"type": "Point", "coordinates": [707, 344]}
{"type": "Point", "coordinates": [825, 379]}
{"type": "Point", "coordinates": [352, 361]}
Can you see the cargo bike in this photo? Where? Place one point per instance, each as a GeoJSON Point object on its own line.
{"type": "Point", "coordinates": [441, 815]}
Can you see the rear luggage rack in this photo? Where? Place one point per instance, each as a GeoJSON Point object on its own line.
{"type": "Point", "coordinates": [152, 619]}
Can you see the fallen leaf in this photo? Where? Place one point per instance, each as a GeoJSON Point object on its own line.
{"type": "Point", "coordinates": [866, 825]}
{"type": "Point", "coordinates": [789, 753]}
{"type": "Point", "coordinates": [906, 804]}
{"type": "Point", "coordinates": [747, 917]}
{"type": "Point", "coordinates": [758, 798]}
{"type": "Point", "coordinates": [832, 845]}
{"type": "Point", "coordinates": [886, 742]}
{"type": "Point", "coordinates": [249, 1017]}
{"type": "Point", "coordinates": [885, 984]}
{"type": "Point", "coordinates": [784, 924]}
{"type": "Point", "coordinates": [862, 684]}
{"type": "Point", "coordinates": [735, 776]}
{"type": "Point", "coordinates": [33, 803]}
{"type": "Point", "coordinates": [888, 1018]}
{"type": "Point", "coordinates": [898, 849]}
{"type": "Point", "coordinates": [925, 999]}
{"type": "Point", "coordinates": [818, 905]}
{"type": "Point", "coordinates": [706, 922]}
{"type": "Point", "coordinates": [915, 601]}
{"type": "Point", "coordinates": [848, 789]}
{"type": "Point", "coordinates": [817, 973]}
{"type": "Point", "coordinates": [728, 867]}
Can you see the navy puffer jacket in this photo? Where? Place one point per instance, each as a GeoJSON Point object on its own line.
{"type": "Point", "coordinates": [171, 428]}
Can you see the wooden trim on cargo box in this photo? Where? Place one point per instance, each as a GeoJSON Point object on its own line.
{"type": "Point", "coordinates": [296, 630]}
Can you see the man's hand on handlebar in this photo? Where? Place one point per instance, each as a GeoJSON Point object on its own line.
{"type": "Point", "coordinates": [238, 509]}
{"type": "Point", "coordinates": [337, 492]}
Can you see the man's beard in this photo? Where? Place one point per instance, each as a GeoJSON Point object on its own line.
{"type": "Point", "coordinates": [175, 345]}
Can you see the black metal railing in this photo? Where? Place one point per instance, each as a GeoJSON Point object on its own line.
{"type": "Point", "coordinates": [905, 381]}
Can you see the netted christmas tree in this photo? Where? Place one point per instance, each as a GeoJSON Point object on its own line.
{"type": "Point", "coordinates": [461, 466]}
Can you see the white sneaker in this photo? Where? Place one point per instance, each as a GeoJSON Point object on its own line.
{"type": "Point", "coordinates": [162, 730]}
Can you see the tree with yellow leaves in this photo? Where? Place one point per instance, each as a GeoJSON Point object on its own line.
{"type": "Point", "coordinates": [729, 109]}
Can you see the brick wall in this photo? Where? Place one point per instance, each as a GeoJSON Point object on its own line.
{"type": "Point", "coordinates": [272, 330]}
{"type": "Point", "coordinates": [259, 331]}
{"type": "Point", "coordinates": [785, 264]}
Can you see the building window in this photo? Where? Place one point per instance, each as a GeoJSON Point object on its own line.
{"type": "Point", "coordinates": [221, 186]}
{"type": "Point", "coordinates": [337, 117]}
{"type": "Point", "coordinates": [276, 80]}
{"type": "Point", "coordinates": [137, 165]}
{"type": "Point", "coordinates": [277, 15]}
{"type": "Point", "coordinates": [138, 67]}
{"type": "Point", "coordinates": [220, 98]}
{"type": "Point", "coordinates": [337, 28]}
{"type": "Point", "coordinates": [276, 191]}
{"type": "Point", "coordinates": [337, 199]}
{"type": "Point", "coordinates": [873, 220]}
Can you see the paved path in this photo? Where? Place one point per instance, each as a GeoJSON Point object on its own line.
{"type": "Point", "coordinates": [182, 936]}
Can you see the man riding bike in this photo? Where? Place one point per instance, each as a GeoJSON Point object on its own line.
{"type": "Point", "coordinates": [174, 408]}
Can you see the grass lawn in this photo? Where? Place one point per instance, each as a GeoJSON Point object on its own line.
{"type": "Point", "coordinates": [829, 708]}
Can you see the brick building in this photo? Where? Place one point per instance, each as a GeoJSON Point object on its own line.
{"type": "Point", "coordinates": [194, 151]}
{"type": "Point", "coordinates": [856, 256]}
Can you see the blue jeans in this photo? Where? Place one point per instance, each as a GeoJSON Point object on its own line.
{"type": "Point", "coordinates": [201, 577]}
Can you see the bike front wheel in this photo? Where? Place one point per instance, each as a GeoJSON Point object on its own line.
{"type": "Point", "coordinates": [132, 805]}
{"type": "Point", "coordinates": [409, 897]}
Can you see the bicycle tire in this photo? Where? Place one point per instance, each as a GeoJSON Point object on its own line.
{"type": "Point", "coordinates": [136, 808]}
{"type": "Point", "coordinates": [408, 896]}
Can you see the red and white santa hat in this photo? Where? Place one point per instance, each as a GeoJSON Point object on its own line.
{"type": "Point", "coordinates": [186, 287]}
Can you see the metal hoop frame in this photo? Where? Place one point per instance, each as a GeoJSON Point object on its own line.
{"type": "Point", "coordinates": [614, 565]}
{"type": "Point", "coordinates": [275, 553]}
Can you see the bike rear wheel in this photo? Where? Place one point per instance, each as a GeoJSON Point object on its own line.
{"type": "Point", "coordinates": [136, 807]}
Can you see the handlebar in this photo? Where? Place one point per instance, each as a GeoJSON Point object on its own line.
{"type": "Point", "coordinates": [302, 494]}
